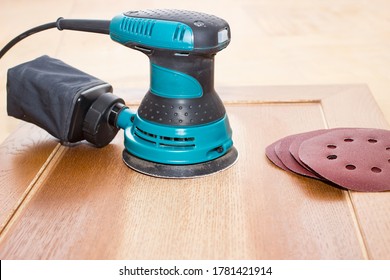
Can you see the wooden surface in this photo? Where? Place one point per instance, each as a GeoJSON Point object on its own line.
{"type": "Point", "coordinates": [83, 203]}
{"type": "Point", "coordinates": [274, 42]}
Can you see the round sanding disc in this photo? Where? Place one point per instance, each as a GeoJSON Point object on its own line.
{"type": "Point", "coordinates": [297, 141]}
{"type": "Point", "coordinates": [283, 153]}
{"type": "Point", "coordinates": [271, 155]}
{"type": "Point", "coordinates": [354, 158]}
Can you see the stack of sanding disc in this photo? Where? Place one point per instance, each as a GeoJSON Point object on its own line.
{"type": "Point", "coordinates": [353, 158]}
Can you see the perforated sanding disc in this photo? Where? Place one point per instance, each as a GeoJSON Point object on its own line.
{"type": "Point", "coordinates": [297, 141]}
{"type": "Point", "coordinates": [283, 153]}
{"type": "Point", "coordinates": [271, 155]}
{"type": "Point", "coordinates": [354, 158]}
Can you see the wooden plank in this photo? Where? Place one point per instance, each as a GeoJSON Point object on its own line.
{"type": "Point", "coordinates": [87, 204]}
{"type": "Point", "coordinates": [371, 208]}
{"type": "Point", "coordinates": [23, 156]}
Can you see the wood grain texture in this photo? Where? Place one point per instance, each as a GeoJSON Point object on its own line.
{"type": "Point", "coordinates": [22, 159]}
{"type": "Point", "coordinates": [371, 208]}
{"type": "Point", "coordinates": [88, 205]}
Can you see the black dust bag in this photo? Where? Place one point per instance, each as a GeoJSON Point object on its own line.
{"type": "Point", "coordinates": [46, 92]}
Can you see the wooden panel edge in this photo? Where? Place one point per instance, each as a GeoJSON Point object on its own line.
{"type": "Point", "coordinates": [15, 148]}
{"type": "Point", "coordinates": [32, 188]}
{"type": "Point", "coordinates": [258, 94]}
{"type": "Point", "coordinates": [358, 103]}
{"type": "Point", "coordinates": [362, 111]}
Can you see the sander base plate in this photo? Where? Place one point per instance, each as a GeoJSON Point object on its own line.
{"type": "Point", "coordinates": [181, 171]}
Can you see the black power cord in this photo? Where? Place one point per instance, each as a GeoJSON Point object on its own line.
{"type": "Point", "coordinates": [25, 34]}
{"type": "Point", "coordinates": [94, 26]}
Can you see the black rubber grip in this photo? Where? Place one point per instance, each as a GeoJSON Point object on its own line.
{"type": "Point", "coordinates": [184, 111]}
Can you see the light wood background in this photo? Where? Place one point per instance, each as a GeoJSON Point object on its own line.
{"type": "Point", "coordinates": [83, 203]}
{"type": "Point", "coordinates": [274, 42]}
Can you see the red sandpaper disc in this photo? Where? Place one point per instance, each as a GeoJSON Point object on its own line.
{"type": "Point", "coordinates": [283, 153]}
{"type": "Point", "coordinates": [271, 155]}
{"type": "Point", "coordinates": [354, 158]}
{"type": "Point", "coordinates": [298, 139]}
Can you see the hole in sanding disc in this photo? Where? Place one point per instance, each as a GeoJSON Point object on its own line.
{"type": "Point", "coordinates": [331, 157]}
{"type": "Point", "coordinates": [332, 146]}
{"type": "Point", "coordinates": [372, 140]}
{"type": "Point", "coordinates": [350, 167]}
{"type": "Point", "coordinates": [376, 170]}
{"type": "Point", "coordinates": [348, 140]}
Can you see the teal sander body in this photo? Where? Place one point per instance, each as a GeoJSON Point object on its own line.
{"type": "Point", "coordinates": [181, 128]}
{"type": "Point", "coordinates": [181, 120]}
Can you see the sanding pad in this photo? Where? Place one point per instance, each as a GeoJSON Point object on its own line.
{"type": "Point", "coordinates": [181, 171]}
{"type": "Point", "coordinates": [356, 159]}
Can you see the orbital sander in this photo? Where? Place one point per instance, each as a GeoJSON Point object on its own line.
{"type": "Point", "coordinates": [180, 129]}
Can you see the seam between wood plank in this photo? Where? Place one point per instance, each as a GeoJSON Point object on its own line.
{"type": "Point", "coordinates": [29, 192]}
{"type": "Point", "coordinates": [362, 241]}
{"type": "Point", "coordinates": [348, 197]}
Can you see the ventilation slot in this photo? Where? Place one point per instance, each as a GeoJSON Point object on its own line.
{"type": "Point", "coordinates": [179, 33]}
{"type": "Point", "coordinates": [177, 139]}
{"type": "Point", "coordinates": [145, 135]}
{"type": "Point", "coordinates": [165, 141]}
{"type": "Point", "coordinates": [178, 146]}
{"type": "Point", "coordinates": [138, 26]}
